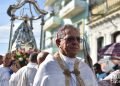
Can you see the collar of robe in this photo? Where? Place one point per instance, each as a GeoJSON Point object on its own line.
{"type": "Point", "coordinates": [67, 73]}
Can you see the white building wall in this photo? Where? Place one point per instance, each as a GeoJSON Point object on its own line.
{"type": "Point", "coordinates": [105, 30]}
{"type": "Point", "coordinates": [93, 48]}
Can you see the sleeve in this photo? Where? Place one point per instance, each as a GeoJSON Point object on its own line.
{"type": "Point", "coordinates": [22, 80]}
{"type": "Point", "coordinates": [13, 80]}
{"type": "Point", "coordinates": [39, 76]}
{"type": "Point", "coordinates": [88, 75]}
{"type": "Point", "coordinates": [4, 78]}
{"type": "Point", "coordinates": [16, 77]}
{"type": "Point", "coordinates": [92, 75]}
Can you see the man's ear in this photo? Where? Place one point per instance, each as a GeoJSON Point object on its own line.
{"type": "Point", "coordinates": [58, 42]}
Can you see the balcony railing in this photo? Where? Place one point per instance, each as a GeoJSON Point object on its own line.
{"type": "Point", "coordinates": [52, 23]}
{"type": "Point", "coordinates": [72, 8]}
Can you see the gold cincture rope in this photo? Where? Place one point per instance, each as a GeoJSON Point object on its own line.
{"type": "Point", "coordinates": [67, 73]}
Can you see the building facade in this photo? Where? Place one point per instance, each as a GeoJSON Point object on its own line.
{"type": "Point", "coordinates": [97, 20]}
{"type": "Point", "coordinates": [104, 24]}
{"type": "Point", "coordinates": [64, 12]}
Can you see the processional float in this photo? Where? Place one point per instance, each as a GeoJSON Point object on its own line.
{"type": "Point", "coordinates": [23, 36]}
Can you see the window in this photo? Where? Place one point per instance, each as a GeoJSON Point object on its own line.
{"type": "Point", "coordinates": [115, 36]}
{"type": "Point", "coordinates": [99, 44]}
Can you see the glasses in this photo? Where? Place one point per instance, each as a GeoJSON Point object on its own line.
{"type": "Point", "coordinates": [71, 39]}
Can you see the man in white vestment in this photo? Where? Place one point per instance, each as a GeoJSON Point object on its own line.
{"type": "Point", "coordinates": [64, 68]}
{"type": "Point", "coordinates": [5, 70]}
{"type": "Point", "coordinates": [25, 75]}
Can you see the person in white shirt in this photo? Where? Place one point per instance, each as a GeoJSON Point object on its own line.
{"type": "Point", "coordinates": [5, 70]}
{"type": "Point", "coordinates": [64, 68]}
{"type": "Point", "coordinates": [25, 75]}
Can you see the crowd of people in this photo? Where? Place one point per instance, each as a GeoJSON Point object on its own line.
{"type": "Point", "coordinates": [63, 68]}
{"type": "Point", "coordinates": [107, 71]}
{"type": "Point", "coordinates": [18, 68]}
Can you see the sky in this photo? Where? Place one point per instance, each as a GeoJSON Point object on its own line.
{"type": "Point", "coordinates": [5, 24]}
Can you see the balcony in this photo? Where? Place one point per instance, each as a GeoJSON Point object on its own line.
{"type": "Point", "coordinates": [49, 2]}
{"type": "Point", "coordinates": [52, 23]}
{"type": "Point", "coordinates": [112, 4]}
{"type": "Point", "coordinates": [72, 8]}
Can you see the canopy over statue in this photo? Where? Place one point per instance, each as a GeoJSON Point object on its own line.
{"type": "Point", "coordinates": [23, 37]}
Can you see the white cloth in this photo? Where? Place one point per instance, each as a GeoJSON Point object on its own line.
{"type": "Point", "coordinates": [111, 79]}
{"type": "Point", "coordinates": [113, 75]}
{"type": "Point", "coordinates": [4, 76]}
{"type": "Point", "coordinates": [15, 77]}
{"type": "Point", "coordinates": [70, 65]}
{"type": "Point", "coordinates": [13, 80]}
{"type": "Point", "coordinates": [24, 76]}
{"type": "Point", "coordinates": [50, 74]}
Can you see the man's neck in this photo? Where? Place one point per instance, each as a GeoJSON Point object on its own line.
{"type": "Point", "coordinates": [67, 55]}
{"type": "Point", "coordinates": [66, 58]}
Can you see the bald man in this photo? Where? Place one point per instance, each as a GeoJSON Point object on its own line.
{"type": "Point", "coordinates": [41, 57]}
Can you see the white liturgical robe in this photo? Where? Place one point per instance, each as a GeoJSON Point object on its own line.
{"type": "Point", "coordinates": [51, 74]}
{"type": "Point", "coordinates": [24, 76]}
{"type": "Point", "coordinates": [4, 76]}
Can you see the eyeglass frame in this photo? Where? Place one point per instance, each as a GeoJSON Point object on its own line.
{"type": "Point", "coordinates": [72, 38]}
